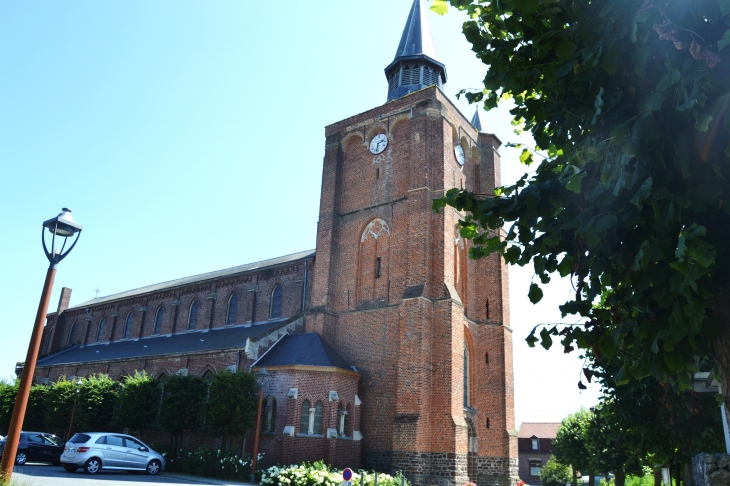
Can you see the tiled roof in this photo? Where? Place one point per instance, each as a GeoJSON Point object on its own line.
{"type": "Point", "coordinates": [228, 272]}
{"type": "Point", "coordinates": [302, 349]}
{"type": "Point", "coordinates": [543, 430]}
{"type": "Point", "coordinates": [188, 342]}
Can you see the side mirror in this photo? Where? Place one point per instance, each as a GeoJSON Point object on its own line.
{"type": "Point", "coordinates": [144, 449]}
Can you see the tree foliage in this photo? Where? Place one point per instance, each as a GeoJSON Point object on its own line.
{"type": "Point", "coordinates": [628, 98]}
{"type": "Point", "coordinates": [554, 473]}
{"type": "Point", "coordinates": [35, 413]}
{"type": "Point", "coordinates": [232, 403]}
{"type": "Point", "coordinates": [8, 392]}
{"type": "Point", "coordinates": [96, 402]}
{"type": "Point", "coordinates": [138, 401]}
{"type": "Point", "coordinates": [570, 441]}
{"type": "Point", "coordinates": [183, 399]}
{"type": "Point", "coordinates": [59, 404]}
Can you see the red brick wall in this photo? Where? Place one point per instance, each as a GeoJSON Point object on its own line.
{"type": "Point", "coordinates": [410, 351]}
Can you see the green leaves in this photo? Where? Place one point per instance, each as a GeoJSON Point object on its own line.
{"type": "Point", "coordinates": [535, 293]}
{"type": "Point", "coordinates": [441, 7]}
{"type": "Point", "coordinates": [633, 200]}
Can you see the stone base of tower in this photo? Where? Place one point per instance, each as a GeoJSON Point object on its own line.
{"type": "Point", "coordinates": [444, 468]}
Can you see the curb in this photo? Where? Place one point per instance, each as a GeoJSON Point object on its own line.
{"type": "Point", "coordinates": [203, 480]}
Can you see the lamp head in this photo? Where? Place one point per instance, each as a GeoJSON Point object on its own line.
{"type": "Point", "coordinates": [63, 224]}
{"type": "Point", "coordinates": [262, 375]}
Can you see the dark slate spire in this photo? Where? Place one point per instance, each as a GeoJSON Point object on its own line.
{"type": "Point", "coordinates": [416, 65]}
{"type": "Point", "coordinates": [476, 122]}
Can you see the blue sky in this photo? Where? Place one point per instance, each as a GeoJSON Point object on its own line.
{"type": "Point", "coordinates": [188, 137]}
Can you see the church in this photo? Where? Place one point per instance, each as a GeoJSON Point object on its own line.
{"type": "Point", "coordinates": [388, 348]}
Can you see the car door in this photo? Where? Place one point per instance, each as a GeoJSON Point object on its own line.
{"type": "Point", "coordinates": [36, 449]}
{"type": "Point", "coordinates": [114, 451]}
{"type": "Point", "coordinates": [54, 447]}
{"type": "Point", "coordinates": [137, 454]}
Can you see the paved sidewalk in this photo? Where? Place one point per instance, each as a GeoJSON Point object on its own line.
{"type": "Point", "coordinates": [202, 480]}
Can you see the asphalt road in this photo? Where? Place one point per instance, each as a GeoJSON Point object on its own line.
{"type": "Point", "coordinates": [47, 475]}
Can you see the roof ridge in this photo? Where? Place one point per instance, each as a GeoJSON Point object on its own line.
{"type": "Point", "coordinates": [140, 290]}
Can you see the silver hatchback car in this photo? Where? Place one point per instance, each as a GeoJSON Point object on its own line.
{"type": "Point", "coordinates": [94, 451]}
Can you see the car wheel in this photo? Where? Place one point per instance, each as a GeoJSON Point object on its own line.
{"type": "Point", "coordinates": [154, 467]}
{"type": "Point", "coordinates": [92, 466]}
{"type": "Point", "coordinates": [70, 467]}
{"type": "Point", "coordinates": [21, 458]}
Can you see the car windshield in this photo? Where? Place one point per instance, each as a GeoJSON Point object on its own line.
{"type": "Point", "coordinates": [80, 438]}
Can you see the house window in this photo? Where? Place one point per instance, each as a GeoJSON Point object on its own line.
{"type": "Point", "coordinates": [535, 468]}
{"type": "Point", "coordinates": [304, 425]}
{"type": "Point", "coordinates": [378, 267]}
{"type": "Point", "coordinates": [71, 335]}
{"type": "Point", "coordinates": [466, 375]}
{"type": "Point", "coordinates": [158, 320]}
{"type": "Point", "coordinates": [100, 331]}
{"type": "Point", "coordinates": [535, 444]}
{"type": "Point", "coordinates": [276, 303]}
{"type": "Point", "coordinates": [128, 326]}
{"type": "Point", "coordinates": [232, 310]}
{"type": "Point", "coordinates": [193, 316]}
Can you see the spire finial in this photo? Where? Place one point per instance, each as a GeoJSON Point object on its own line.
{"type": "Point", "coordinates": [416, 65]}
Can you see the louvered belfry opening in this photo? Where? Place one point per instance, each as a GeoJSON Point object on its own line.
{"type": "Point", "coordinates": [416, 65]}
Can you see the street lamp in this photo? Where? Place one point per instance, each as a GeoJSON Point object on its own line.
{"type": "Point", "coordinates": [73, 410]}
{"type": "Point", "coordinates": [64, 227]}
{"type": "Point", "coordinates": [261, 377]}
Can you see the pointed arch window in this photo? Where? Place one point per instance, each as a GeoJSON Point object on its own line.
{"type": "Point", "coordinates": [343, 420]}
{"type": "Point", "coordinates": [193, 316]}
{"type": "Point", "coordinates": [158, 320]}
{"type": "Point", "coordinates": [466, 375]}
{"type": "Point", "coordinates": [232, 310]}
{"type": "Point", "coordinates": [276, 296]}
{"type": "Point", "coordinates": [100, 331]}
{"type": "Point", "coordinates": [71, 335]}
{"type": "Point", "coordinates": [269, 415]}
{"type": "Point", "coordinates": [128, 326]}
{"type": "Point", "coordinates": [304, 425]}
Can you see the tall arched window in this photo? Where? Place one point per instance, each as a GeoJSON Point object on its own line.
{"type": "Point", "coordinates": [343, 420]}
{"type": "Point", "coordinates": [232, 310]}
{"type": "Point", "coordinates": [466, 375]}
{"type": "Point", "coordinates": [71, 335]}
{"type": "Point", "coordinates": [158, 320]}
{"type": "Point", "coordinates": [100, 331]}
{"type": "Point", "coordinates": [128, 326]}
{"type": "Point", "coordinates": [276, 303]}
{"type": "Point", "coordinates": [269, 415]}
{"type": "Point", "coordinates": [304, 425]}
{"type": "Point", "coordinates": [193, 316]}
{"type": "Point", "coordinates": [317, 426]}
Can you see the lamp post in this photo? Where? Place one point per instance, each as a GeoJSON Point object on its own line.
{"type": "Point", "coordinates": [73, 410]}
{"type": "Point", "coordinates": [261, 378]}
{"type": "Point", "coordinates": [62, 226]}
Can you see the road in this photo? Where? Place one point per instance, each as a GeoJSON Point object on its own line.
{"type": "Point", "coordinates": [47, 475]}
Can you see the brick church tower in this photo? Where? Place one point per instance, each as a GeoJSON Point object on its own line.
{"type": "Point", "coordinates": [394, 292]}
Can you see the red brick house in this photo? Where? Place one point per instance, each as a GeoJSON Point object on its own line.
{"type": "Point", "coordinates": [535, 446]}
{"type": "Point", "coordinates": [388, 347]}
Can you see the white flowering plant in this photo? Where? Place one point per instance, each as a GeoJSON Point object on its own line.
{"type": "Point", "coordinates": [319, 474]}
{"type": "Point", "coordinates": [208, 462]}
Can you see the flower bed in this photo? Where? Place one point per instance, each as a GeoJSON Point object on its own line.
{"type": "Point", "coordinates": [319, 474]}
{"type": "Point", "coordinates": [209, 463]}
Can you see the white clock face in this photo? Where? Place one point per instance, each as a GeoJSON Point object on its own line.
{"type": "Point", "coordinates": [378, 143]}
{"type": "Point", "coordinates": [459, 151]}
